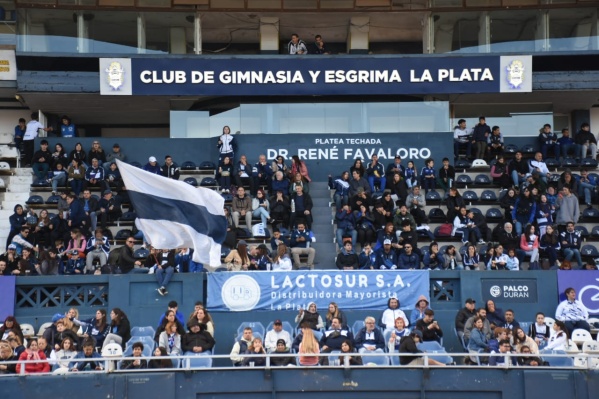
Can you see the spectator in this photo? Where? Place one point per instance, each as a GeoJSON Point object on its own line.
{"type": "Point", "coordinates": [96, 328]}
{"type": "Point", "coordinates": [494, 314]}
{"type": "Point", "coordinates": [301, 207]}
{"type": "Point", "coordinates": [538, 164]}
{"type": "Point", "coordinates": [359, 167]}
{"type": "Point", "coordinates": [298, 180]}
{"type": "Point", "coordinates": [42, 160]}
{"type": "Point", "coordinates": [568, 209]}
{"type": "Point", "coordinates": [17, 220]}
{"type": "Point", "coordinates": [225, 171]}
{"type": "Point", "coordinates": [559, 339]}
{"type": "Point", "coordinates": [333, 338]}
{"type": "Point", "coordinates": [498, 259]}
{"type": "Point", "coordinates": [481, 314]}
{"type": "Point", "coordinates": [79, 154]}
{"type": "Point", "coordinates": [376, 174]}
{"type": "Point", "coordinates": [203, 317]}
{"type": "Point", "coordinates": [416, 202]}
{"type": "Point", "coordinates": [76, 176]}
{"type": "Point", "coordinates": [446, 175]}
{"type": "Point", "coordinates": [58, 176]}
{"type": "Point", "coordinates": [242, 206]}
{"type": "Point", "coordinates": [98, 247]}
{"type": "Point", "coordinates": [59, 155]}
{"type": "Point", "coordinates": [21, 241]}
{"type": "Point", "coordinates": [281, 261]}
{"type": "Point", "coordinates": [238, 259]}
{"type": "Point", "coordinates": [393, 311]}
{"type": "Point", "coordinates": [570, 243]}
{"type": "Point", "coordinates": [84, 359]}
{"type": "Point", "coordinates": [367, 257]}
{"type": "Point", "coordinates": [408, 345]}
{"type": "Point", "coordinates": [519, 169]}
{"type": "Point", "coordinates": [279, 165]}
{"type": "Point", "coordinates": [280, 207]}
{"type": "Point", "coordinates": [386, 257]}
{"type": "Point", "coordinates": [280, 361]}
{"type": "Point", "coordinates": [356, 183]}
{"type": "Point", "coordinates": [452, 258]}
{"type": "Point", "coordinates": [520, 339]}
{"type": "Point", "coordinates": [170, 169]}
{"type": "Point", "coordinates": [261, 208]}
{"type": "Point", "coordinates": [19, 133]}
{"type": "Point", "coordinates": [164, 269]}
{"type": "Point", "coordinates": [566, 180]}
{"type": "Point", "coordinates": [164, 362]}
{"type": "Point", "coordinates": [227, 146]}
{"type": "Point", "coordinates": [262, 173]}
{"type": "Point", "coordinates": [398, 187]}
{"type": "Point", "coordinates": [39, 364]}
{"type": "Point", "coordinates": [96, 152]}
{"type": "Point", "coordinates": [411, 175]}
{"type": "Point", "coordinates": [301, 238]}
{"type": "Point", "coordinates": [341, 187]}
{"type": "Point", "coordinates": [300, 167]}
{"type": "Point", "coordinates": [199, 341]}
{"type": "Point", "coordinates": [397, 333]}
{"type": "Point", "coordinates": [466, 226]}
{"type": "Point", "coordinates": [152, 166]}
{"type": "Point", "coordinates": [539, 331]}
{"type": "Point", "coordinates": [396, 167]}
{"type": "Point", "coordinates": [463, 315]}
{"type": "Point", "coordinates": [94, 175]}
{"type": "Point", "coordinates": [428, 176]}
{"type": "Point", "coordinates": [137, 363]}
{"type": "Point", "coordinates": [429, 327]}
{"type": "Point", "coordinates": [346, 226]}
{"type": "Point", "coordinates": [110, 208]}
{"type": "Point", "coordinates": [586, 141]}
{"type": "Point", "coordinates": [63, 357]}
{"type": "Point", "coordinates": [495, 143]}
{"type": "Point", "coordinates": [478, 341]}
{"type": "Point", "coordinates": [296, 46]}
{"type": "Point", "coordinates": [510, 322]}
{"type": "Point", "coordinates": [347, 258]}
{"type": "Point", "coordinates": [454, 202]}
{"type": "Point", "coordinates": [280, 182]}
{"type": "Point", "coordinates": [548, 141]}
{"type": "Point", "coordinates": [500, 173]}
{"type": "Point", "coordinates": [7, 355]}
{"type": "Point", "coordinates": [275, 335]}
{"type": "Point", "coordinates": [243, 176]}
{"type": "Point", "coordinates": [524, 210]}
{"type": "Point", "coordinates": [572, 312]}
{"type": "Point", "coordinates": [471, 259]}
{"type": "Point", "coordinates": [120, 328]}
{"type": "Point", "coordinates": [334, 311]}
{"type": "Point", "coordinates": [256, 348]}
{"type": "Point", "coordinates": [586, 186]}
{"type": "Point", "coordinates": [370, 339]}
{"type": "Point", "coordinates": [480, 134]}
{"type": "Point", "coordinates": [125, 259]}
{"type": "Point", "coordinates": [500, 358]}
{"type": "Point", "coordinates": [462, 137]}
{"type": "Point", "coordinates": [114, 155]}
{"type": "Point", "coordinates": [481, 223]}
{"type": "Point", "coordinates": [319, 47]}
{"type": "Point", "coordinates": [433, 259]}
{"type": "Point", "coordinates": [90, 207]}
{"type": "Point", "coordinates": [567, 145]}
{"type": "Point", "coordinates": [308, 347]}
{"type": "Point", "coordinates": [309, 318]}
{"type": "Point", "coordinates": [31, 132]}
{"type": "Point", "coordinates": [529, 243]}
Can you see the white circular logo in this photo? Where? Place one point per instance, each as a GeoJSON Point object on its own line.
{"type": "Point", "coordinates": [495, 291]}
{"type": "Point", "coordinates": [240, 293]}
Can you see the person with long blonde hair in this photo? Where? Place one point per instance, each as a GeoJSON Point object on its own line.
{"type": "Point", "coordinates": [308, 346]}
{"type": "Point", "coordinates": [281, 260]}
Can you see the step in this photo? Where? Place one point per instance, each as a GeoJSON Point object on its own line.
{"type": "Point", "coordinates": [16, 196]}
{"type": "Point", "coordinates": [10, 205]}
{"type": "Point", "coordinates": [22, 171]}
{"type": "Point", "coordinates": [20, 180]}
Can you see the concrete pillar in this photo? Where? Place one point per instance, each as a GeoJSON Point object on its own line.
{"type": "Point", "coordinates": [269, 35]}
{"type": "Point", "coordinates": [197, 33]}
{"type": "Point", "coordinates": [82, 33]}
{"type": "Point", "coordinates": [542, 31]}
{"type": "Point", "coordinates": [141, 33]}
{"type": "Point", "coordinates": [178, 45]}
{"type": "Point", "coordinates": [484, 32]}
{"type": "Point", "coordinates": [428, 34]}
{"type": "Point", "coordinates": [357, 39]}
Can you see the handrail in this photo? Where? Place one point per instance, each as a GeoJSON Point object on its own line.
{"type": "Point", "coordinates": [110, 362]}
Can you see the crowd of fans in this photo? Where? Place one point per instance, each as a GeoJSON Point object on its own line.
{"type": "Point", "coordinates": [70, 344]}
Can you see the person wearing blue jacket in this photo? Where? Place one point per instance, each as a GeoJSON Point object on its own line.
{"type": "Point", "coordinates": [262, 173]}
{"type": "Point", "coordinates": [152, 166]}
{"type": "Point", "coordinates": [280, 183]}
{"type": "Point", "coordinates": [370, 339]}
{"type": "Point", "coordinates": [341, 186]}
{"type": "Point", "coordinates": [98, 247]}
{"type": "Point", "coordinates": [367, 258]}
{"type": "Point", "coordinates": [94, 175]}
{"type": "Point", "coordinates": [408, 259]}
{"type": "Point", "coordinates": [84, 360]}
{"type": "Point", "coordinates": [428, 176]}
{"type": "Point", "coordinates": [184, 261]}
{"type": "Point", "coordinates": [478, 340]}
{"type": "Point", "coordinates": [346, 226]}
{"type": "Point", "coordinates": [17, 220]}
{"type": "Point", "coordinates": [386, 257]}
{"type": "Point", "coordinates": [376, 174]}
{"type": "Point", "coordinates": [524, 210]}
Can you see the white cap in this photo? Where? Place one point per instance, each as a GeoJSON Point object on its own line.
{"type": "Point", "coordinates": [152, 159]}
{"type": "Point", "coordinates": [387, 242]}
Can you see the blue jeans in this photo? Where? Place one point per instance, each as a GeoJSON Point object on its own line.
{"type": "Point", "coordinates": [569, 253]}
{"type": "Point", "coordinates": [546, 147]}
{"type": "Point", "coordinates": [457, 145]}
{"type": "Point", "coordinates": [586, 189]}
{"type": "Point", "coordinates": [164, 276]}
{"type": "Point", "coordinates": [263, 213]}
{"type": "Point", "coordinates": [343, 232]}
{"type": "Point", "coordinates": [568, 149]}
{"type": "Point", "coordinates": [40, 170]}
{"type": "Point", "coordinates": [76, 186]}
{"type": "Point", "coordinates": [340, 200]}
{"type": "Point", "coordinates": [517, 179]}
{"type": "Point", "coordinates": [59, 179]}
{"type": "Point", "coordinates": [372, 180]}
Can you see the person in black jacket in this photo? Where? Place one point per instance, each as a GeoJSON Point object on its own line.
{"type": "Point", "coordinates": [518, 169]}
{"type": "Point", "coordinates": [480, 133]}
{"type": "Point", "coordinates": [408, 345]}
{"type": "Point", "coordinates": [124, 259]}
{"type": "Point", "coordinates": [170, 169]}
{"type": "Point", "coordinates": [347, 258]}
{"type": "Point", "coordinates": [586, 141]}
{"type": "Point", "coordinates": [454, 202]}
{"type": "Point", "coordinates": [197, 340]}
{"type": "Point", "coordinates": [120, 328]}
{"type": "Point", "coordinates": [140, 363]}
{"type": "Point", "coordinates": [41, 161]}
{"type": "Point", "coordinates": [468, 311]}
{"type": "Point", "coordinates": [446, 175]}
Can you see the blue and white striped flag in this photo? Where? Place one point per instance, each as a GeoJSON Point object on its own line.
{"type": "Point", "coordinates": [173, 214]}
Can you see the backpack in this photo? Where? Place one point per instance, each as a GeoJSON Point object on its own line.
{"type": "Point", "coordinates": [445, 230]}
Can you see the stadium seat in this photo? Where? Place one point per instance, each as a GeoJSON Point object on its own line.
{"type": "Point", "coordinates": [589, 250]}
{"type": "Point", "coordinates": [199, 361]}
{"type": "Point", "coordinates": [435, 347]}
{"type": "Point", "coordinates": [53, 199]}
{"type": "Point", "coordinates": [482, 179]}
{"type": "Point", "coordinates": [122, 234]}
{"type": "Point", "coordinates": [583, 231]}
{"type": "Point", "coordinates": [552, 163]}
{"type": "Point", "coordinates": [528, 149]}
{"type": "Point", "coordinates": [570, 163]}
{"type": "Point", "coordinates": [595, 232]}
{"type": "Point", "coordinates": [588, 163]}
{"type": "Point", "coordinates": [188, 165]}
{"type": "Point", "coordinates": [207, 165]}
{"type": "Point", "coordinates": [510, 149]}
{"type": "Point", "coordinates": [579, 336]}
{"type": "Point", "coordinates": [555, 361]}
{"type": "Point", "coordinates": [191, 181]}
{"type": "Point", "coordinates": [470, 196]}
{"type": "Point", "coordinates": [494, 215]}
{"type": "Point", "coordinates": [143, 331]}
{"type": "Point", "coordinates": [462, 164]}
{"type": "Point", "coordinates": [144, 339]}
{"type": "Point", "coordinates": [433, 195]}
{"type": "Point", "coordinates": [464, 179]}
{"type": "Point", "coordinates": [479, 163]}
{"type": "Point", "coordinates": [128, 217]}
{"type": "Point", "coordinates": [590, 347]}
{"type": "Point", "coordinates": [436, 215]}
{"type": "Point", "coordinates": [28, 330]}
{"type": "Point", "coordinates": [550, 321]}
{"type": "Point", "coordinates": [381, 360]}
{"type": "Point", "coordinates": [35, 199]}
{"type": "Point", "coordinates": [357, 326]}
{"type": "Point", "coordinates": [208, 182]}
{"type": "Point", "coordinates": [136, 164]}
{"type": "Point", "coordinates": [488, 195]}
{"type": "Point", "coordinates": [571, 347]}
{"type": "Point", "coordinates": [228, 197]}
{"type": "Point", "coordinates": [256, 326]}
{"type": "Point", "coordinates": [590, 213]}
{"type": "Point", "coordinates": [4, 166]}
{"type": "Point", "coordinates": [476, 210]}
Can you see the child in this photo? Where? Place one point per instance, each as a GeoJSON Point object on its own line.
{"type": "Point", "coordinates": [551, 196]}
{"type": "Point", "coordinates": [411, 175]}
{"type": "Point", "coordinates": [512, 262]}
{"type": "Point", "coordinates": [428, 176]}
{"type": "Point", "coordinates": [75, 265]}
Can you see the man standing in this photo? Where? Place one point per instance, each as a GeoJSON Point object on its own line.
{"type": "Point", "coordinates": [300, 245]}
{"type": "Point", "coordinates": [573, 312]}
{"type": "Point", "coordinates": [227, 145]}
{"type": "Point", "coordinates": [568, 208]}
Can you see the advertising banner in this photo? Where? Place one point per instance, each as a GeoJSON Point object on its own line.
{"type": "Point", "coordinates": [510, 290]}
{"type": "Point", "coordinates": [344, 75]}
{"type": "Point", "coordinates": [243, 291]}
{"type": "Point", "coordinates": [7, 296]}
{"type": "Point", "coordinates": [586, 284]}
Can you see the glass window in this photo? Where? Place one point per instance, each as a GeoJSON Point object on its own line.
{"type": "Point", "coordinates": [190, 124]}
{"type": "Point", "coordinates": [106, 38]}
{"type": "Point", "coordinates": [48, 31]}
{"type": "Point", "coordinates": [382, 117]}
{"type": "Point", "coordinates": [456, 32]}
{"type": "Point", "coordinates": [572, 29]}
{"type": "Point", "coordinates": [158, 29]}
{"type": "Point", "coordinates": [343, 118]}
{"type": "Point", "coordinates": [336, 4]}
{"type": "Point", "coordinates": [264, 4]}
{"type": "Point", "coordinates": [424, 117]}
{"type": "Point", "coordinates": [513, 31]}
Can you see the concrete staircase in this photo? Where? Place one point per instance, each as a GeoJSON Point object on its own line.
{"type": "Point", "coordinates": [17, 192]}
{"type": "Point", "coordinates": [321, 227]}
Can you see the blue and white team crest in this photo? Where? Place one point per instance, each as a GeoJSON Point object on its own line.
{"type": "Point", "coordinates": [115, 74]}
{"type": "Point", "coordinates": [515, 74]}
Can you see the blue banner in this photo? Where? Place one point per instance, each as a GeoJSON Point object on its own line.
{"type": "Point", "coordinates": [586, 284]}
{"type": "Point", "coordinates": [243, 291]}
{"type": "Point", "coordinates": [7, 296]}
{"type": "Point", "coordinates": [311, 75]}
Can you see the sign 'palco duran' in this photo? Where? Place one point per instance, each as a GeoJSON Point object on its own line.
{"type": "Point", "coordinates": [311, 75]}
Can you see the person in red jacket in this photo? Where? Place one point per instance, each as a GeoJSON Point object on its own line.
{"type": "Point", "coordinates": [33, 353]}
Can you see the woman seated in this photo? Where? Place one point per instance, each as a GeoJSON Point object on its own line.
{"type": "Point", "coordinates": [348, 349]}
{"type": "Point", "coordinates": [63, 357]}
{"type": "Point", "coordinates": [255, 348]}
{"type": "Point", "coordinates": [163, 363]}
{"type": "Point", "coordinates": [39, 363]}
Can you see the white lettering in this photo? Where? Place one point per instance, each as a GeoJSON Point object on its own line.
{"type": "Point", "coordinates": [314, 75]}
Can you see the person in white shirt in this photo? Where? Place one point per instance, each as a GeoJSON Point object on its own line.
{"type": "Point", "coordinates": [559, 338]}
{"type": "Point", "coordinates": [539, 165]}
{"type": "Point", "coordinates": [277, 333]}
{"type": "Point", "coordinates": [462, 137]}
{"type": "Point", "coordinates": [392, 312]}
{"type": "Point", "coordinates": [573, 312]}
